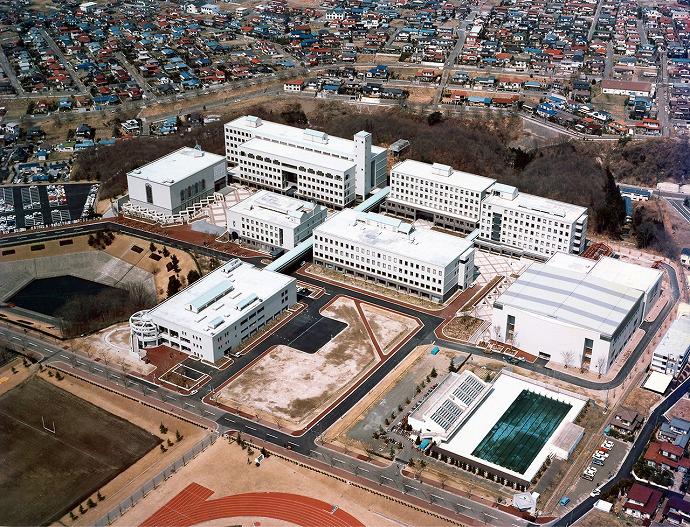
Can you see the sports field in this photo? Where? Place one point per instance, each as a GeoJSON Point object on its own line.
{"type": "Point", "coordinates": [522, 431]}
{"type": "Point", "coordinates": [44, 475]}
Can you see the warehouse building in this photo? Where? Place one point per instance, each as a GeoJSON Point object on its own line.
{"type": "Point", "coordinates": [331, 170]}
{"type": "Point", "coordinates": [572, 311]}
{"type": "Point", "coordinates": [393, 253]}
{"type": "Point", "coordinates": [435, 192]}
{"type": "Point", "coordinates": [671, 355]}
{"type": "Point", "coordinates": [520, 223]}
{"type": "Point", "coordinates": [272, 221]}
{"type": "Point", "coordinates": [503, 430]}
{"type": "Point", "coordinates": [175, 182]}
{"type": "Point", "coordinates": [215, 314]}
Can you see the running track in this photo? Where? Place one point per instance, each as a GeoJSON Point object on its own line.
{"type": "Point", "coordinates": [192, 506]}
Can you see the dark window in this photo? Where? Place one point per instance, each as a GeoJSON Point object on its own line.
{"type": "Point", "coordinates": [149, 194]}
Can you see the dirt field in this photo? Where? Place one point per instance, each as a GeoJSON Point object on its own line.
{"type": "Point", "coordinates": [462, 328]}
{"type": "Point", "coordinates": [641, 400]}
{"type": "Point", "coordinates": [597, 518]}
{"type": "Point", "coordinates": [147, 419]}
{"type": "Point", "coordinates": [389, 328]}
{"type": "Point", "coordinates": [44, 474]}
{"type": "Point", "coordinates": [292, 386]}
{"type": "Point", "coordinates": [223, 468]}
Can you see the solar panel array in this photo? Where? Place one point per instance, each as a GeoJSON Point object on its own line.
{"type": "Point", "coordinates": [446, 414]}
{"type": "Point", "coordinates": [468, 390]}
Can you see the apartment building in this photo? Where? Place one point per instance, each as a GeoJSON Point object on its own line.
{"type": "Point", "coordinates": [520, 223]}
{"type": "Point", "coordinates": [393, 253]}
{"type": "Point", "coordinates": [311, 164]}
{"type": "Point", "coordinates": [438, 193]}
{"type": "Point", "coordinates": [272, 221]}
{"type": "Point", "coordinates": [215, 314]}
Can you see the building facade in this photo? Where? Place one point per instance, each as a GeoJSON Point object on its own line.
{"type": "Point", "coordinates": [272, 221]}
{"type": "Point", "coordinates": [671, 355]}
{"type": "Point", "coordinates": [525, 224]}
{"type": "Point", "coordinates": [395, 254]}
{"type": "Point", "coordinates": [435, 192]}
{"type": "Point", "coordinates": [508, 221]}
{"type": "Point", "coordinates": [564, 311]}
{"type": "Point", "coordinates": [176, 181]}
{"type": "Point", "coordinates": [314, 165]}
{"type": "Point", "coordinates": [213, 316]}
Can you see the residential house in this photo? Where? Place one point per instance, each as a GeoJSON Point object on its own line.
{"type": "Point", "coordinates": [677, 511]}
{"type": "Point", "coordinates": [626, 421]}
{"type": "Point", "coordinates": [642, 502]}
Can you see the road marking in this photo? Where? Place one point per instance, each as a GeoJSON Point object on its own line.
{"type": "Point", "coordinates": [16, 338]}
{"type": "Point", "coordinates": [271, 435]}
{"type": "Point", "coordinates": [291, 443]}
{"type": "Point", "coordinates": [32, 344]}
{"type": "Point", "coordinates": [437, 497]}
{"type": "Point", "coordinates": [363, 469]}
{"type": "Point", "coordinates": [229, 420]}
{"type": "Point", "coordinates": [96, 369]}
{"type": "Point", "coordinates": [250, 428]}
{"type": "Point", "coordinates": [64, 356]}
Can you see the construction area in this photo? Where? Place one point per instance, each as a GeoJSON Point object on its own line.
{"type": "Point", "coordinates": [291, 386]}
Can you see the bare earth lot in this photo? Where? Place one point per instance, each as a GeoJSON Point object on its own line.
{"type": "Point", "coordinates": [44, 474]}
{"type": "Point", "coordinates": [290, 385]}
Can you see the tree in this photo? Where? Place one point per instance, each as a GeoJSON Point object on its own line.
{"type": "Point", "coordinates": [100, 496]}
{"type": "Point", "coordinates": [567, 358]}
{"type": "Point", "coordinates": [152, 247]}
{"type": "Point", "coordinates": [91, 504]}
{"type": "Point", "coordinates": [166, 253]}
{"type": "Point", "coordinates": [192, 276]}
{"type": "Point", "coordinates": [434, 118]}
{"type": "Point", "coordinates": [178, 436]}
{"type": "Point", "coordinates": [163, 429]}
{"type": "Point", "coordinates": [174, 285]}
{"type": "Point", "coordinates": [433, 372]}
{"type": "Point", "coordinates": [601, 361]}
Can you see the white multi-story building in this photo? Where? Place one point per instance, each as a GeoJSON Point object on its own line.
{"type": "Point", "coordinates": [314, 165]}
{"type": "Point", "coordinates": [273, 221]}
{"type": "Point", "coordinates": [211, 317]}
{"type": "Point", "coordinates": [175, 181]}
{"type": "Point", "coordinates": [450, 198]}
{"type": "Point", "coordinates": [522, 223]}
{"type": "Point", "coordinates": [508, 221]}
{"type": "Point", "coordinates": [671, 355]}
{"type": "Point", "coordinates": [567, 311]}
{"type": "Point", "coordinates": [393, 253]}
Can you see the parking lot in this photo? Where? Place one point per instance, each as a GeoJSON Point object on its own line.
{"type": "Point", "coordinates": [581, 488]}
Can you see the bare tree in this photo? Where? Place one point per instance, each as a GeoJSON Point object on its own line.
{"type": "Point", "coordinates": [601, 361]}
{"type": "Point", "coordinates": [567, 358]}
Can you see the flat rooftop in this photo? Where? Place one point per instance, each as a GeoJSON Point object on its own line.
{"type": "Point", "coordinates": [676, 341]}
{"type": "Point", "coordinates": [294, 135]}
{"type": "Point", "coordinates": [395, 236]}
{"type": "Point", "coordinates": [512, 430]}
{"type": "Point", "coordinates": [572, 297]}
{"type": "Point", "coordinates": [433, 172]}
{"type": "Point", "coordinates": [220, 298]}
{"type": "Point", "coordinates": [176, 166]}
{"type": "Point", "coordinates": [271, 149]}
{"type": "Point", "coordinates": [274, 208]}
{"type": "Point", "coordinates": [537, 205]}
{"type": "Point", "coordinates": [632, 275]}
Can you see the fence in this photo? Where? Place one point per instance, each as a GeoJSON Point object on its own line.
{"type": "Point", "coordinates": [156, 481]}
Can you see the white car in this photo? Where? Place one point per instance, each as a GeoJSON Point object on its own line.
{"type": "Point", "coordinates": [596, 492]}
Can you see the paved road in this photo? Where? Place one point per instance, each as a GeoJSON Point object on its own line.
{"type": "Point", "coordinates": [9, 70]}
{"type": "Point", "coordinates": [677, 203]}
{"type": "Point", "coordinates": [635, 452]}
{"type": "Point", "coordinates": [306, 443]}
{"type": "Point", "coordinates": [66, 63]}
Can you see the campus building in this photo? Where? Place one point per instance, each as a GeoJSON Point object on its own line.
{"type": "Point", "coordinates": [575, 311]}
{"type": "Point", "coordinates": [435, 192]}
{"type": "Point", "coordinates": [311, 164]}
{"type": "Point", "coordinates": [671, 355]}
{"type": "Point", "coordinates": [514, 222]}
{"type": "Point", "coordinates": [509, 221]}
{"type": "Point", "coordinates": [272, 221]}
{"type": "Point", "coordinates": [175, 182]}
{"type": "Point", "coordinates": [211, 317]}
{"type": "Point", "coordinates": [503, 430]}
{"type": "Point", "coordinates": [393, 253]}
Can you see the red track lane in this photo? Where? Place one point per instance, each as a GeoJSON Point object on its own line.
{"type": "Point", "coordinates": [192, 506]}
